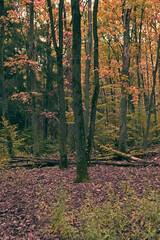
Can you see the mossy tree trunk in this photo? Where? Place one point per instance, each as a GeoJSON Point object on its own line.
{"type": "Point", "coordinates": [82, 171]}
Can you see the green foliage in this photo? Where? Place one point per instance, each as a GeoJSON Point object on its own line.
{"type": "Point", "coordinates": [48, 146]}
{"type": "Point", "coordinates": [9, 142]}
{"type": "Point", "coordinates": [105, 133]}
{"type": "Point", "coordinates": [127, 216]}
{"type": "Point", "coordinates": [27, 140]}
{"type": "Point", "coordinates": [60, 220]}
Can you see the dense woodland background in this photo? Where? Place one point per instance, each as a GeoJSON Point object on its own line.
{"type": "Point", "coordinates": [79, 76]}
{"type": "Point", "coordinates": [79, 87]}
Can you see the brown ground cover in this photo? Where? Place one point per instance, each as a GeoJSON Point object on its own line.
{"type": "Point", "coordinates": [27, 195]}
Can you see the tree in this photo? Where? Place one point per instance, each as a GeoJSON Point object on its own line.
{"type": "Point", "coordinates": [61, 94]}
{"type": "Point", "coordinates": [2, 80]}
{"type": "Point", "coordinates": [32, 78]}
{"type": "Point", "coordinates": [96, 78]}
{"type": "Point", "coordinates": [125, 76]}
{"type": "Point", "coordinates": [82, 172]}
{"type": "Point", "coordinates": [88, 67]}
{"type": "Point", "coordinates": [152, 95]}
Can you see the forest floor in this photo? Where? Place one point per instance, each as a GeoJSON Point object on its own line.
{"type": "Point", "coordinates": [27, 195]}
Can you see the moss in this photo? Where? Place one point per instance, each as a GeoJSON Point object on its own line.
{"type": "Point", "coordinates": [82, 173]}
{"type": "Point", "coordinates": [63, 162]}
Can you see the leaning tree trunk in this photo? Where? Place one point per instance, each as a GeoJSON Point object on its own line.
{"type": "Point", "coordinates": [82, 172]}
{"type": "Point", "coordinates": [96, 78]}
{"type": "Point", "coordinates": [125, 75]}
{"type": "Point", "coordinates": [61, 94]}
{"type": "Point", "coordinates": [2, 82]}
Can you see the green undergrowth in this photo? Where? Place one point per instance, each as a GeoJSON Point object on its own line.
{"type": "Point", "coordinates": [121, 216]}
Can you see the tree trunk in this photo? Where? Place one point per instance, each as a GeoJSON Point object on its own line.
{"type": "Point", "coordinates": [82, 172]}
{"type": "Point", "coordinates": [138, 59]}
{"type": "Point", "coordinates": [49, 82]}
{"type": "Point", "coordinates": [125, 75]}
{"type": "Point", "coordinates": [71, 127]}
{"type": "Point", "coordinates": [96, 78]}
{"type": "Point", "coordinates": [32, 76]}
{"type": "Point", "coordinates": [87, 67]}
{"type": "Point", "coordinates": [151, 97]}
{"type": "Point", "coordinates": [61, 94]}
{"type": "Point", "coordinates": [2, 80]}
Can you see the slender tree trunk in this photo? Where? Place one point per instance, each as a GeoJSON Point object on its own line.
{"type": "Point", "coordinates": [62, 116]}
{"type": "Point", "coordinates": [138, 58]}
{"type": "Point", "coordinates": [49, 82]}
{"type": "Point", "coordinates": [125, 75]}
{"type": "Point", "coordinates": [61, 94]}
{"type": "Point", "coordinates": [82, 172]}
{"type": "Point", "coordinates": [2, 80]}
{"type": "Point", "coordinates": [152, 96]}
{"type": "Point", "coordinates": [71, 127]}
{"type": "Point", "coordinates": [159, 74]}
{"type": "Point", "coordinates": [87, 67]}
{"type": "Point", "coordinates": [155, 116]}
{"type": "Point", "coordinates": [32, 76]}
{"type": "Point", "coordinates": [96, 78]}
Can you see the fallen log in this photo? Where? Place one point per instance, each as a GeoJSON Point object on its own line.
{"type": "Point", "coordinates": [129, 161]}
{"type": "Point", "coordinates": [129, 157]}
{"type": "Point", "coordinates": [116, 164]}
{"type": "Point", "coordinates": [121, 154]}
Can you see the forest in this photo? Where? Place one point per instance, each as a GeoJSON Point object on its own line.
{"type": "Point", "coordinates": [80, 107]}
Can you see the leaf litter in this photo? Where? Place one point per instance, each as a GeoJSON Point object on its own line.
{"type": "Point", "coordinates": [27, 195]}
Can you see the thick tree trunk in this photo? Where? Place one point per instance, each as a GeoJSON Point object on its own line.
{"type": "Point", "coordinates": [82, 172]}
{"type": "Point", "coordinates": [2, 80]}
{"type": "Point", "coordinates": [96, 78]}
{"type": "Point", "coordinates": [61, 94]}
{"type": "Point", "coordinates": [125, 75]}
{"type": "Point", "coordinates": [87, 67]}
{"type": "Point", "coordinates": [152, 96]}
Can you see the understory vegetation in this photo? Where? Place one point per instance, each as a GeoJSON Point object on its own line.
{"type": "Point", "coordinates": [125, 217]}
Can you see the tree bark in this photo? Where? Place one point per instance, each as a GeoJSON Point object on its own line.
{"type": "Point", "coordinates": [82, 172]}
{"type": "Point", "coordinates": [32, 76]}
{"type": "Point", "coordinates": [2, 80]}
{"type": "Point", "coordinates": [96, 78]}
{"type": "Point", "coordinates": [125, 75]}
{"type": "Point", "coordinates": [49, 81]}
{"type": "Point", "coordinates": [152, 96]}
{"type": "Point", "coordinates": [61, 94]}
{"type": "Point", "coordinates": [88, 67]}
